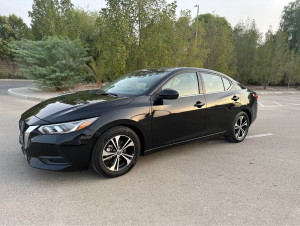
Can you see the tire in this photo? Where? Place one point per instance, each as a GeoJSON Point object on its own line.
{"type": "Point", "coordinates": [108, 160]}
{"type": "Point", "coordinates": [237, 132]}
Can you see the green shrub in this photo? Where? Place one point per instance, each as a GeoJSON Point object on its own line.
{"type": "Point", "coordinates": [54, 63]}
{"type": "Point", "coordinates": [5, 75]}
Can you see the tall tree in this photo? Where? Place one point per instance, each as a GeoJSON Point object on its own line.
{"type": "Point", "coordinates": [219, 37]}
{"type": "Point", "coordinates": [290, 23]}
{"type": "Point", "coordinates": [13, 27]}
{"type": "Point", "coordinates": [273, 56]}
{"type": "Point", "coordinates": [188, 52]}
{"type": "Point", "coordinates": [247, 38]}
{"type": "Point", "coordinates": [54, 17]}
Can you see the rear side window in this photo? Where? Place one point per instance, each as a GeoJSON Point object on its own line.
{"type": "Point", "coordinates": [185, 84]}
{"type": "Point", "coordinates": [213, 83]}
{"type": "Point", "coordinates": [227, 84]}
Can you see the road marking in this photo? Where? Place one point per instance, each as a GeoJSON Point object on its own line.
{"type": "Point", "coordinates": [260, 135]}
{"type": "Point", "coordinates": [248, 137]}
{"type": "Point", "coordinates": [260, 104]}
{"type": "Point", "coordinates": [277, 103]}
{"type": "Point", "coordinates": [286, 105]}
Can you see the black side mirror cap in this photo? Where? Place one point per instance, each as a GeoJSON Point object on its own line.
{"type": "Point", "coordinates": [168, 94]}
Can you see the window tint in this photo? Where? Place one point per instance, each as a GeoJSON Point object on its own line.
{"type": "Point", "coordinates": [185, 84]}
{"type": "Point", "coordinates": [213, 83]}
{"type": "Point", "coordinates": [135, 83]}
{"type": "Point", "coordinates": [226, 83]}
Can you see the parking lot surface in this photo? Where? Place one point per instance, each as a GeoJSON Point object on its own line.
{"type": "Point", "coordinates": [203, 182]}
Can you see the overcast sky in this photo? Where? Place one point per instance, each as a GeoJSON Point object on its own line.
{"type": "Point", "coordinates": [265, 12]}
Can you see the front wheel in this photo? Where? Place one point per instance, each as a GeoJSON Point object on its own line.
{"type": "Point", "coordinates": [115, 152]}
{"type": "Point", "coordinates": [239, 128]}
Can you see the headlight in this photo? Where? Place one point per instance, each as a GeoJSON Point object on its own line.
{"type": "Point", "coordinates": [66, 127]}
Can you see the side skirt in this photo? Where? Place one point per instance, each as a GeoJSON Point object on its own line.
{"type": "Point", "coordinates": [152, 150]}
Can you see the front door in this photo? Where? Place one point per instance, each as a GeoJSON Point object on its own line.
{"type": "Point", "coordinates": [180, 119]}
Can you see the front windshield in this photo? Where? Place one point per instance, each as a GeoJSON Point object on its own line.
{"type": "Point", "coordinates": [135, 83]}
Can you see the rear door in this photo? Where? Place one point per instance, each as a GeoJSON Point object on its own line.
{"type": "Point", "coordinates": [222, 100]}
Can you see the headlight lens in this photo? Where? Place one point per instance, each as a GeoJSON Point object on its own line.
{"type": "Point", "coordinates": [66, 127]}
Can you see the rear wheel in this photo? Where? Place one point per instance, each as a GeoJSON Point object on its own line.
{"type": "Point", "coordinates": [239, 128]}
{"type": "Point", "coordinates": [116, 152]}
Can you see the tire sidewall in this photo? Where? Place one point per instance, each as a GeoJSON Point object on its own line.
{"type": "Point", "coordinates": [97, 162]}
{"type": "Point", "coordinates": [232, 132]}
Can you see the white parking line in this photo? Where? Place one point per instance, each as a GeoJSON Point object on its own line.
{"type": "Point", "coordinates": [286, 105]}
{"type": "Point", "coordinates": [260, 135]}
{"type": "Point", "coordinates": [248, 137]}
{"type": "Point", "coordinates": [277, 103]}
{"type": "Point", "coordinates": [260, 104]}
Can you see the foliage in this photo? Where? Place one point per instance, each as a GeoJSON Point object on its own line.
{"type": "Point", "coordinates": [218, 36]}
{"type": "Point", "coordinates": [94, 68]}
{"type": "Point", "coordinates": [290, 24]}
{"type": "Point", "coordinates": [128, 35]}
{"type": "Point", "coordinates": [13, 27]}
{"type": "Point", "coordinates": [4, 75]}
{"type": "Point", "coordinates": [273, 57]}
{"type": "Point", "coordinates": [55, 18]}
{"type": "Point", "coordinates": [247, 38]}
{"type": "Point", "coordinates": [53, 62]}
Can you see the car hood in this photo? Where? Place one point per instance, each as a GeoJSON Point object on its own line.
{"type": "Point", "coordinates": [73, 106]}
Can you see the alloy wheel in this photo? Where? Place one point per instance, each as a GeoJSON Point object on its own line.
{"type": "Point", "coordinates": [118, 153]}
{"type": "Point", "coordinates": [240, 127]}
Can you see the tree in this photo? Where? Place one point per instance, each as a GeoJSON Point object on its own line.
{"type": "Point", "coordinates": [53, 62]}
{"type": "Point", "coordinates": [247, 38]}
{"type": "Point", "coordinates": [290, 22]}
{"type": "Point", "coordinates": [273, 57]}
{"type": "Point", "coordinates": [219, 39]}
{"type": "Point", "coordinates": [13, 28]}
{"type": "Point", "coordinates": [292, 69]}
{"type": "Point", "coordinates": [135, 34]}
{"type": "Point", "coordinates": [187, 52]}
{"type": "Point", "coordinates": [54, 18]}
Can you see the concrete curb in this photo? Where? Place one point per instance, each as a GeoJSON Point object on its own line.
{"type": "Point", "coordinates": [18, 80]}
{"type": "Point", "coordinates": [12, 92]}
{"type": "Point", "coordinates": [277, 92]}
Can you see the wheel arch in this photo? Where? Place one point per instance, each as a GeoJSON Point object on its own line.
{"type": "Point", "coordinates": [127, 123]}
{"type": "Point", "coordinates": [248, 112]}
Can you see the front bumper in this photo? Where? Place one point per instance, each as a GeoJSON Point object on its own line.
{"type": "Point", "coordinates": [63, 152]}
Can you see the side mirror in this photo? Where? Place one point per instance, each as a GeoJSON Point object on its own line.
{"type": "Point", "coordinates": [168, 94]}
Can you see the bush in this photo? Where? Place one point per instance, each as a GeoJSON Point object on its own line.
{"type": "Point", "coordinates": [5, 75]}
{"type": "Point", "coordinates": [54, 63]}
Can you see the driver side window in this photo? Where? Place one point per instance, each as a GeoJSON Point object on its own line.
{"type": "Point", "coordinates": [185, 84]}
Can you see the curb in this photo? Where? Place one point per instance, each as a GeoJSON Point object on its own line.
{"type": "Point", "coordinates": [12, 93]}
{"type": "Point", "coordinates": [17, 80]}
{"type": "Point", "coordinates": [277, 92]}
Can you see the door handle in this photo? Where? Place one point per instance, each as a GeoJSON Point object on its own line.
{"type": "Point", "coordinates": [235, 98]}
{"type": "Point", "coordinates": [199, 104]}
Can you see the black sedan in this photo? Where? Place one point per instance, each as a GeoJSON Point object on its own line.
{"type": "Point", "coordinates": [138, 113]}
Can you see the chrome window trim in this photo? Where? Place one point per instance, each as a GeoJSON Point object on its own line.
{"type": "Point", "coordinates": [200, 94]}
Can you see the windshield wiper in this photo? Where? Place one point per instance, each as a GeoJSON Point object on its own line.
{"type": "Point", "coordinates": [109, 94]}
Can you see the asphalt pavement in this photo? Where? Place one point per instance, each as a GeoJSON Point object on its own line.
{"type": "Point", "coordinates": [256, 182]}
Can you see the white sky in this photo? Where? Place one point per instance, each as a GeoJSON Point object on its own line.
{"type": "Point", "coordinates": [265, 12]}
